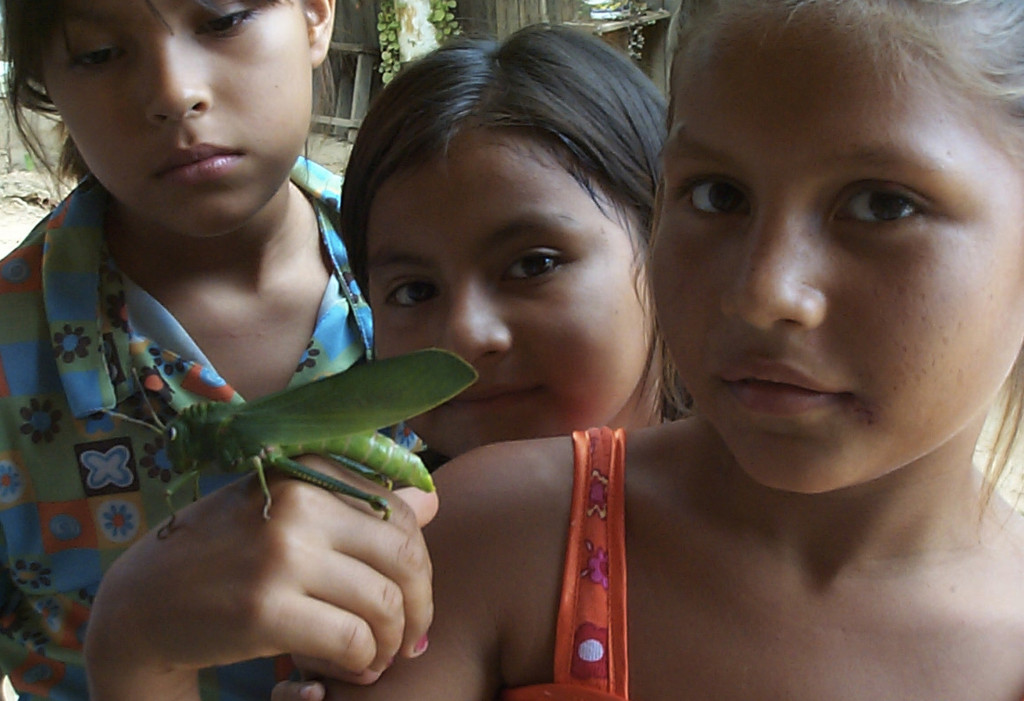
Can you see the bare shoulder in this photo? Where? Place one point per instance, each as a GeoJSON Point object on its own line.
{"type": "Point", "coordinates": [496, 550]}
{"type": "Point", "coordinates": [499, 497]}
{"type": "Point", "coordinates": [502, 523]}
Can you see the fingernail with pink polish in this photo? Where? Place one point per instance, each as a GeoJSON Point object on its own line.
{"type": "Point", "coordinates": [421, 646]}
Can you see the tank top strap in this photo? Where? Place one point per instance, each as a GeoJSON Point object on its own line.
{"type": "Point", "coordinates": [590, 648]}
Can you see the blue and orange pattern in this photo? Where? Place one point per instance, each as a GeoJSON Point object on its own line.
{"type": "Point", "coordinates": [78, 485]}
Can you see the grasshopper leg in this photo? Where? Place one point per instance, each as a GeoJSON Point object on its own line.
{"type": "Point", "coordinates": [362, 470]}
{"type": "Point", "coordinates": [261, 473]}
{"type": "Point", "coordinates": [299, 471]}
{"type": "Point", "coordinates": [172, 488]}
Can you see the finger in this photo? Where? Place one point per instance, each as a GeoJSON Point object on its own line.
{"type": "Point", "coordinates": [395, 548]}
{"type": "Point", "coordinates": [377, 570]}
{"type": "Point", "coordinates": [298, 691]}
{"type": "Point", "coordinates": [407, 562]}
{"type": "Point", "coordinates": [351, 585]}
{"type": "Point", "coordinates": [323, 669]}
{"type": "Point", "coordinates": [423, 504]}
{"type": "Point", "coordinates": [321, 630]}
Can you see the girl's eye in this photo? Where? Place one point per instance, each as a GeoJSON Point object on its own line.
{"type": "Point", "coordinates": [874, 206]}
{"type": "Point", "coordinates": [97, 57]}
{"type": "Point", "coordinates": [411, 293]}
{"type": "Point", "coordinates": [228, 23]}
{"type": "Point", "coordinates": [532, 265]}
{"type": "Point", "coordinates": [716, 197]}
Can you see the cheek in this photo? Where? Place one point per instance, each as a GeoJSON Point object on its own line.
{"type": "Point", "coordinates": [388, 341]}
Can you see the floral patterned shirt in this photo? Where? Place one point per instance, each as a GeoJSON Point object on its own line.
{"type": "Point", "coordinates": [78, 484]}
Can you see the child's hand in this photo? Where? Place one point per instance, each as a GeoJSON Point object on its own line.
{"type": "Point", "coordinates": [323, 578]}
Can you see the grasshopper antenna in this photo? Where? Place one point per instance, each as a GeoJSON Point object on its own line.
{"type": "Point", "coordinates": [160, 427]}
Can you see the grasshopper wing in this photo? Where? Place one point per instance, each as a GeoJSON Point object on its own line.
{"type": "Point", "coordinates": [363, 398]}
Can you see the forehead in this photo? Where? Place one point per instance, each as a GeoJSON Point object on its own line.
{"type": "Point", "coordinates": [102, 9]}
{"type": "Point", "coordinates": [808, 82]}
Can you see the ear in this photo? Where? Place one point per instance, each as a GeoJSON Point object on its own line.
{"type": "Point", "coordinates": [320, 21]}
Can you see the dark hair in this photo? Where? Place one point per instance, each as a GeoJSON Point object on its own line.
{"type": "Point", "coordinates": [596, 112]}
{"type": "Point", "coordinates": [29, 27]}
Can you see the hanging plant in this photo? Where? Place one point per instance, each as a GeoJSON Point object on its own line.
{"type": "Point", "coordinates": [442, 16]}
{"type": "Point", "coordinates": [387, 31]}
{"type": "Point", "coordinates": [402, 38]}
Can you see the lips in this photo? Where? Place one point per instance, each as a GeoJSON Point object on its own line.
{"type": "Point", "coordinates": [774, 372]}
{"type": "Point", "coordinates": [195, 159]}
{"type": "Point", "coordinates": [778, 388]}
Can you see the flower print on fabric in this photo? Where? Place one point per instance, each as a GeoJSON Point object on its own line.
{"type": "Point", "coordinates": [107, 466]}
{"type": "Point", "coordinates": [308, 359]}
{"type": "Point", "coordinates": [42, 421]}
{"type": "Point", "coordinates": [79, 482]}
{"type": "Point", "coordinates": [597, 565]}
{"type": "Point", "coordinates": [117, 312]}
{"type": "Point", "coordinates": [12, 484]}
{"type": "Point", "coordinates": [52, 612]}
{"type": "Point", "coordinates": [119, 520]}
{"type": "Point", "coordinates": [32, 574]}
{"type": "Point", "coordinates": [591, 645]}
{"type": "Point", "coordinates": [99, 422]}
{"type": "Point", "coordinates": [155, 461]}
{"type": "Point", "coordinates": [166, 362]}
{"type": "Point", "coordinates": [112, 359]}
{"type": "Point", "coordinates": [153, 383]}
{"type": "Point", "coordinates": [71, 343]}
{"type": "Point", "coordinates": [36, 639]}
{"type": "Point", "coordinates": [597, 501]}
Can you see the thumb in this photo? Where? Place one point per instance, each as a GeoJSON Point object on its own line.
{"type": "Point", "coordinates": [423, 504]}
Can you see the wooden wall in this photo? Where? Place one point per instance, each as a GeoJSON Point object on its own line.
{"type": "Point", "coordinates": [356, 26]}
{"type": "Point", "coordinates": [356, 20]}
{"type": "Point", "coordinates": [502, 17]}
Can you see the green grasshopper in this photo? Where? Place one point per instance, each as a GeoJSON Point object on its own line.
{"type": "Point", "coordinates": [336, 416]}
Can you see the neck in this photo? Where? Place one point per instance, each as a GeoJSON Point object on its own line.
{"type": "Point", "coordinates": [929, 508]}
{"type": "Point", "coordinates": [242, 256]}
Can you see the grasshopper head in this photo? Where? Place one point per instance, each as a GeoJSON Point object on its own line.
{"type": "Point", "coordinates": [178, 439]}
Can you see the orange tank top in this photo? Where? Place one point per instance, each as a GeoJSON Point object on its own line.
{"type": "Point", "coordinates": [590, 641]}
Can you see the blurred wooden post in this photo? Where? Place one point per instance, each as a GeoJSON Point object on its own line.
{"type": "Point", "coordinates": [352, 98]}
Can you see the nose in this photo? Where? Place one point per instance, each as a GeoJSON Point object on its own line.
{"type": "Point", "coordinates": [778, 276]}
{"type": "Point", "coordinates": [176, 87]}
{"type": "Point", "coordinates": [475, 328]}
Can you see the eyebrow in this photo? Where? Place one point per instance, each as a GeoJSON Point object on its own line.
{"type": "Point", "coordinates": [877, 154]}
{"type": "Point", "coordinates": [519, 227]}
{"type": "Point", "coordinates": [88, 13]}
{"type": "Point", "coordinates": [681, 143]}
